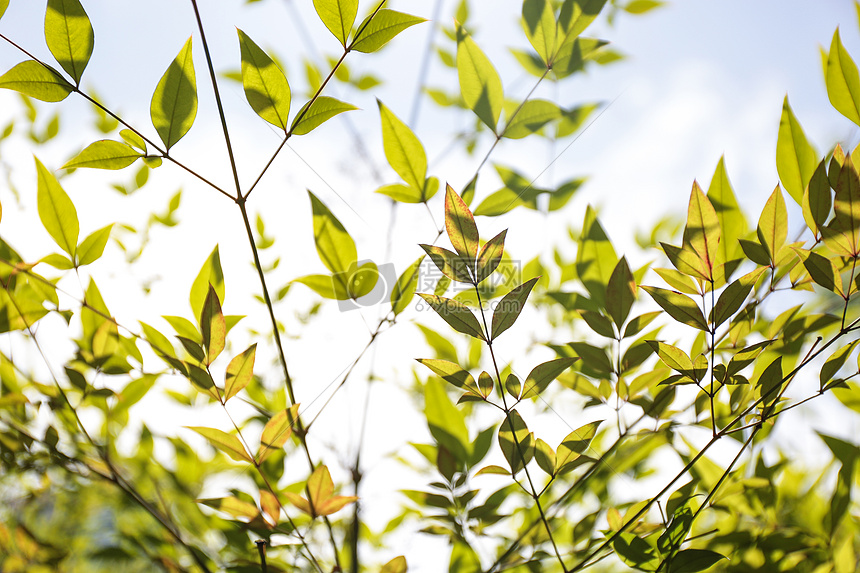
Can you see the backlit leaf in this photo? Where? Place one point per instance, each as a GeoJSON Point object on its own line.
{"type": "Point", "coordinates": [817, 199]}
{"type": "Point", "coordinates": [239, 372]}
{"type": "Point", "coordinates": [277, 431]}
{"type": "Point", "coordinates": [69, 36]}
{"type": "Point", "coordinates": [540, 27]}
{"type": "Point", "coordinates": [702, 233]}
{"type": "Point", "coordinates": [210, 274]}
{"type": "Point", "coordinates": [672, 356]}
{"type": "Point", "coordinates": [225, 442]}
{"type": "Point", "coordinates": [516, 442]}
{"type": "Point", "coordinates": [402, 148]}
{"type": "Point", "coordinates": [456, 314]}
{"type": "Point", "coordinates": [822, 270]}
{"type": "Point", "coordinates": [843, 81]}
{"type": "Point", "coordinates": [620, 292]}
{"type": "Point", "coordinates": [174, 103]}
{"type": "Point", "coordinates": [37, 81]}
{"type": "Point", "coordinates": [595, 258]}
{"type": "Point", "coordinates": [451, 264]}
{"type": "Point", "coordinates": [56, 211]}
{"type": "Point", "coordinates": [541, 375]}
{"type": "Point", "coordinates": [680, 307]}
{"type": "Point", "coordinates": [323, 109]}
{"type": "Point", "coordinates": [450, 372]}
{"type": "Point", "coordinates": [490, 255]}
{"type": "Point", "coordinates": [795, 157]}
{"type": "Point", "coordinates": [573, 446]}
{"type": "Point", "coordinates": [509, 308]}
{"type": "Point", "coordinates": [265, 85]}
{"type": "Point", "coordinates": [733, 297]}
{"type": "Point", "coordinates": [576, 15]}
{"type": "Point", "coordinates": [460, 226]}
{"type": "Point", "coordinates": [773, 224]}
{"type": "Point", "coordinates": [326, 286]}
{"type": "Point", "coordinates": [446, 422]}
{"type": "Point", "coordinates": [386, 24]}
{"type": "Point", "coordinates": [532, 116]}
{"type": "Point", "coordinates": [545, 456]}
{"type": "Point", "coordinates": [733, 224]}
{"type": "Point", "coordinates": [338, 16]}
{"type": "Point", "coordinates": [92, 248]}
{"type": "Point", "coordinates": [694, 560]}
{"type": "Point", "coordinates": [846, 205]}
{"type": "Point", "coordinates": [104, 154]}
{"type": "Point", "coordinates": [396, 565]}
{"type": "Point", "coordinates": [335, 247]}
{"type": "Point", "coordinates": [833, 364]}
{"type": "Point", "coordinates": [573, 53]}
{"type": "Point", "coordinates": [480, 84]}
{"type": "Point", "coordinates": [404, 289]}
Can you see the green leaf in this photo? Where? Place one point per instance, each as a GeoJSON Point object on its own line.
{"type": "Point", "coordinates": [509, 308]}
{"type": "Point", "coordinates": [450, 372]}
{"type": "Point", "coordinates": [516, 442]}
{"type": "Point", "coordinates": [572, 447]}
{"type": "Point", "coordinates": [456, 314]}
{"type": "Point", "coordinates": [499, 203]}
{"type": "Point", "coordinates": [835, 362]}
{"type": "Point", "coordinates": [755, 252]}
{"type": "Point", "coordinates": [402, 193]}
{"type": "Point", "coordinates": [460, 226]}
{"type": "Point", "coordinates": [540, 27]}
{"type": "Point", "coordinates": [239, 372]}
{"type": "Point", "coordinates": [323, 109]}
{"type": "Point", "coordinates": [385, 25]}
{"type": "Point", "coordinates": [532, 116]}
{"type": "Point", "coordinates": [745, 357]}
{"type": "Point", "coordinates": [277, 431]}
{"type": "Point", "coordinates": [225, 442]}
{"type": "Point", "coordinates": [795, 157]}
{"type": "Point", "coordinates": [846, 205]}
{"type": "Point", "coordinates": [403, 150]}
{"type": "Point", "coordinates": [404, 288]}
{"type": "Point", "coordinates": [326, 286]}
{"type": "Point", "coordinates": [56, 211]}
{"type": "Point", "coordinates": [672, 356]}
{"type": "Point", "coordinates": [733, 297]}
{"type": "Point", "coordinates": [451, 264]}
{"type": "Point", "coordinates": [490, 255]}
{"type": "Point", "coordinates": [620, 292]}
{"type": "Point", "coordinates": [92, 248]}
{"type": "Point", "coordinates": [822, 270]}
{"type": "Point", "coordinates": [396, 565]}
{"type": "Point", "coordinates": [595, 258]}
{"type": "Point", "coordinates": [733, 224]}
{"type": "Point", "coordinates": [573, 54]}
{"type": "Point", "coordinates": [541, 375]}
{"type": "Point", "coordinates": [773, 224]}
{"type": "Point", "coordinates": [848, 395]}
{"type": "Point", "coordinates": [213, 327]}
{"type": "Point", "coordinates": [37, 81]}
{"type": "Point", "coordinates": [702, 233]}
{"type": "Point", "coordinates": [159, 343]}
{"type": "Point", "coordinates": [334, 245]}
{"type": "Point", "coordinates": [680, 307]}
{"type": "Point", "coordinates": [133, 139]}
{"type": "Point", "coordinates": [576, 15]}
{"type": "Point", "coordinates": [843, 81]}
{"type": "Point", "coordinates": [265, 85]}
{"type": "Point", "coordinates": [642, 6]}
{"type": "Point", "coordinates": [174, 103]}
{"type": "Point", "coordinates": [693, 560]}
{"type": "Point", "coordinates": [69, 36]}
{"type": "Point", "coordinates": [545, 456]}
{"type": "Point", "coordinates": [210, 274]}
{"type": "Point", "coordinates": [446, 422]}
{"type": "Point", "coordinates": [104, 154]}
{"type": "Point", "coordinates": [4, 4]}
{"type": "Point", "coordinates": [770, 382]}
{"type": "Point", "coordinates": [817, 199]}
{"type": "Point", "coordinates": [598, 323]}
{"type": "Point", "coordinates": [338, 16]}
{"type": "Point", "coordinates": [480, 84]}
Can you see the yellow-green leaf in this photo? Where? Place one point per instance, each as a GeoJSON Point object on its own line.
{"type": "Point", "coordinates": [679, 306]}
{"type": "Point", "coordinates": [576, 15]}
{"type": "Point", "coordinates": [225, 442]}
{"type": "Point", "coordinates": [266, 87]}
{"type": "Point", "coordinates": [396, 565]}
{"type": "Point", "coordinates": [213, 327]}
{"type": "Point", "coordinates": [402, 148]}
{"type": "Point", "coordinates": [232, 506]}
{"type": "Point", "coordinates": [733, 296]}
{"type": "Point", "coordinates": [323, 109]}
{"type": "Point", "coordinates": [460, 226]}
{"type": "Point", "coordinates": [733, 224]}
{"type": "Point", "coordinates": [174, 103]}
{"type": "Point", "coordinates": [239, 372]}
{"type": "Point", "coordinates": [104, 154]}
{"type": "Point", "coordinates": [509, 308]}
{"type": "Point", "coordinates": [545, 456]}
{"type": "Point", "coordinates": [595, 257]}
{"type": "Point", "coordinates": [490, 256]}
{"type": "Point", "coordinates": [446, 422]}
{"type": "Point", "coordinates": [404, 288]}
{"type": "Point", "coordinates": [334, 245]}
{"type": "Point", "coordinates": [833, 364]}
{"type": "Point", "coordinates": [846, 205]}
{"type": "Point", "coordinates": [451, 264]}
{"type": "Point", "coordinates": [795, 157]}
{"type": "Point", "coordinates": [69, 35]}
{"type": "Point", "coordinates": [817, 199]}
{"type": "Point", "coordinates": [456, 314]}
{"type": "Point", "coordinates": [277, 431]}
{"type": "Point", "coordinates": [56, 211]}
{"type": "Point", "coordinates": [822, 270]}
{"type": "Point", "coordinates": [773, 224]}
{"type": "Point", "coordinates": [326, 286]}
{"type": "Point", "coordinates": [540, 27]}
{"type": "Point", "coordinates": [37, 81]}
{"type": "Point", "coordinates": [516, 441]}
{"type": "Point", "coordinates": [572, 447]}
{"type": "Point", "coordinates": [338, 16]}
{"type": "Point", "coordinates": [620, 292]}
{"type": "Point", "coordinates": [702, 233]}
{"type": "Point", "coordinates": [532, 116]}
{"type": "Point", "coordinates": [542, 374]}
{"type": "Point", "coordinates": [480, 84]}
{"type": "Point", "coordinates": [210, 274]}
{"type": "Point", "coordinates": [450, 372]}
{"type": "Point", "coordinates": [843, 81]}
{"type": "Point", "coordinates": [92, 248]}
{"type": "Point", "coordinates": [384, 27]}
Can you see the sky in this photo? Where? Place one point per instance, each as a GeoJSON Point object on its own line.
{"type": "Point", "coordinates": [701, 80]}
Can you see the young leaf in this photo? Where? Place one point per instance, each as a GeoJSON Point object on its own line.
{"type": "Point", "coordinates": [450, 372]}
{"type": "Point", "coordinates": [576, 15]}
{"type": "Point", "coordinates": [795, 157]}
{"type": "Point", "coordinates": [516, 442]}
{"type": "Point", "coordinates": [323, 109]}
{"type": "Point", "coordinates": [846, 205]}
{"type": "Point", "coordinates": [402, 193]}
{"type": "Point", "coordinates": [673, 357]}
{"type": "Point", "coordinates": [403, 150]}
{"type": "Point", "coordinates": [396, 565]}
{"type": "Point", "coordinates": [174, 103]}
{"type": "Point", "coordinates": [69, 36]}
{"type": "Point", "coordinates": [485, 384]}
{"type": "Point", "coordinates": [37, 81]}
{"type": "Point", "coordinates": [533, 115]}
{"type": "Point", "coordinates": [133, 139]}
{"type": "Point", "coordinates": [385, 25]}
{"type": "Point", "coordinates": [733, 224]}
{"type": "Point", "coordinates": [680, 307]}
{"type": "Point", "coordinates": [104, 154]}
{"type": "Point", "coordinates": [541, 375]}
{"type": "Point", "coordinates": [213, 327]}
{"type": "Point", "coordinates": [92, 248]}
{"type": "Point", "coordinates": [404, 288]}
{"type": "Point", "coordinates": [480, 84]}
{"type": "Point", "coordinates": [540, 27]}
{"type": "Point", "coordinates": [451, 264]}
{"type": "Point", "coordinates": [510, 307]}
{"type": "Point", "coordinates": [56, 211]}
{"type": "Point", "coordinates": [321, 501]}
{"type": "Point", "coordinates": [460, 226]}
{"type": "Point", "coordinates": [733, 297]}
{"type": "Point", "coordinates": [338, 16]}
{"type": "Point", "coordinates": [265, 85]}
{"type": "Point", "coordinates": [620, 292]}
{"type": "Point", "coordinates": [239, 372]}
{"type": "Point", "coordinates": [843, 81]}
{"type": "Point", "coordinates": [227, 443]}
{"type": "Point", "coordinates": [277, 431]}
{"type": "Point", "coordinates": [490, 255]}
{"type": "Point", "coordinates": [572, 447]}
{"type": "Point", "coordinates": [334, 245]}
{"type": "Point", "coordinates": [595, 257]}
{"type": "Point", "coordinates": [456, 314]}
{"type": "Point", "coordinates": [773, 224]}
{"type": "Point", "coordinates": [702, 233]}
{"type": "Point", "coordinates": [210, 274]}
{"type": "Point", "coordinates": [545, 456]}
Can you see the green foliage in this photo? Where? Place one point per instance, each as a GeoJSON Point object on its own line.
{"type": "Point", "coordinates": [237, 476]}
